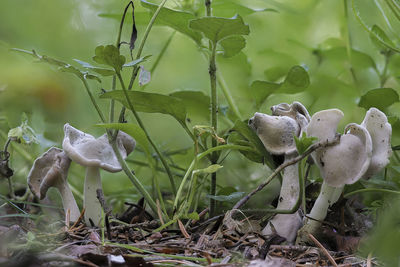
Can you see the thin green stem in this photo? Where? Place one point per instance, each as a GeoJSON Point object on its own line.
{"type": "Point", "coordinates": [379, 190]}
{"type": "Point", "coordinates": [199, 157]}
{"type": "Point", "coordinates": [228, 97]}
{"type": "Point", "coordinates": [348, 41]}
{"type": "Point", "coordinates": [383, 75]}
{"type": "Point", "coordinates": [134, 179]}
{"type": "Point", "coordinates": [139, 121]}
{"type": "Point", "coordinates": [102, 118]}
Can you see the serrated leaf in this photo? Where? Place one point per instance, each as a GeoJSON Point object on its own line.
{"type": "Point", "coordinates": [177, 20]}
{"type": "Point", "coordinates": [210, 169]}
{"type": "Point", "coordinates": [133, 130]}
{"type": "Point", "coordinates": [109, 55]}
{"type": "Point", "coordinates": [233, 45]}
{"type": "Point", "coordinates": [101, 71]}
{"type": "Point", "coordinates": [304, 142]}
{"type": "Point", "coordinates": [216, 29]}
{"type": "Point", "coordinates": [196, 102]}
{"type": "Point", "coordinates": [229, 198]}
{"type": "Point", "coordinates": [151, 103]}
{"type": "Point", "coordinates": [252, 137]}
{"type": "Point", "coordinates": [380, 98]}
{"type": "Point", "coordinates": [297, 80]}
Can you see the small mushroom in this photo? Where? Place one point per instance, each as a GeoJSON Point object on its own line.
{"type": "Point", "coordinates": [340, 164]}
{"type": "Point", "coordinates": [276, 133]}
{"type": "Point", "coordinates": [94, 154]}
{"type": "Point", "coordinates": [50, 170]}
{"type": "Point", "coordinates": [379, 128]}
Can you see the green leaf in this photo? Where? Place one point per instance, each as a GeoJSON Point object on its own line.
{"type": "Point", "coordinates": [196, 102]}
{"type": "Point", "coordinates": [227, 8]}
{"type": "Point", "coordinates": [379, 37]}
{"type": "Point", "coordinates": [136, 61]}
{"type": "Point", "coordinates": [177, 20]}
{"type": "Point", "coordinates": [133, 130]}
{"type": "Point", "coordinates": [380, 98]}
{"type": "Point", "coordinates": [229, 198]}
{"type": "Point", "coordinates": [101, 71]}
{"type": "Point", "coordinates": [210, 169]}
{"type": "Point", "coordinates": [233, 45]}
{"type": "Point", "coordinates": [296, 80]}
{"type": "Point", "coordinates": [216, 29]}
{"type": "Point", "coordinates": [238, 139]}
{"type": "Point", "coordinates": [252, 137]}
{"type": "Point", "coordinates": [24, 133]}
{"type": "Point", "coordinates": [192, 216]}
{"type": "Point", "coordinates": [304, 142]}
{"type": "Point", "coordinates": [151, 103]}
{"type": "Point", "coordinates": [109, 55]}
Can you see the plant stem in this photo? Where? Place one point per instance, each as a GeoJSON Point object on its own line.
{"type": "Point", "coordinates": [134, 179]}
{"type": "Point", "coordinates": [102, 118]}
{"type": "Point", "coordinates": [228, 97]}
{"type": "Point", "coordinates": [348, 41]}
{"type": "Point", "coordinates": [139, 121]}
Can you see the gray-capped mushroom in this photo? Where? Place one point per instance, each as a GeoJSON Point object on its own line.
{"type": "Point", "coordinates": [276, 132]}
{"type": "Point", "coordinates": [340, 164]}
{"type": "Point", "coordinates": [94, 154]}
{"type": "Point", "coordinates": [51, 170]}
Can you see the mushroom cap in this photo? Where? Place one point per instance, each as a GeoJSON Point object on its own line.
{"type": "Point", "coordinates": [323, 124]}
{"type": "Point", "coordinates": [295, 111]}
{"type": "Point", "coordinates": [346, 162]}
{"type": "Point", "coordinates": [276, 132]}
{"type": "Point", "coordinates": [88, 151]}
{"type": "Point", "coordinates": [376, 123]}
{"type": "Point", "coordinates": [47, 171]}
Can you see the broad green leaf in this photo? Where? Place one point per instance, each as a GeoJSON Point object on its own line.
{"type": "Point", "coordinates": [196, 102]}
{"type": "Point", "coordinates": [101, 71]}
{"type": "Point", "coordinates": [133, 130]}
{"type": "Point", "coordinates": [233, 45]}
{"type": "Point", "coordinates": [210, 169]}
{"type": "Point", "coordinates": [177, 20]}
{"type": "Point", "coordinates": [297, 80]}
{"type": "Point", "coordinates": [229, 198]}
{"type": "Point", "coordinates": [216, 29]}
{"type": "Point", "coordinates": [380, 98]}
{"type": "Point", "coordinates": [109, 55]}
{"type": "Point", "coordinates": [151, 103]}
{"type": "Point", "coordinates": [252, 137]}
{"type": "Point", "coordinates": [228, 8]}
{"type": "Point", "coordinates": [304, 142]}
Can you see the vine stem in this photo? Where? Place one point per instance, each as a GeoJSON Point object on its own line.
{"type": "Point", "coordinates": [163, 161]}
{"type": "Point", "coordinates": [102, 118]}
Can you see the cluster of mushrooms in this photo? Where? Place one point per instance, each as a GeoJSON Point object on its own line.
{"type": "Point", "coordinates": [51, 169]}
{"type": "Point", "coordinates": [362, 151]}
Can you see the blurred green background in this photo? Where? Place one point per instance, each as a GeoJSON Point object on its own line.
{"type": "Point", "coordinates": [324, 37]}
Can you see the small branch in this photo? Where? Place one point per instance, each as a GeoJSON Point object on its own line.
{"type": "Point", "coordinates": [323, 250]}
{"type": "Point", "coordinates": [312, 148]}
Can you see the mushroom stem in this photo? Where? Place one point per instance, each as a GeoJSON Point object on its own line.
{"type": "Point", "coordinates": [91, 203]}
{"type": "Point", "coordinates": [286, 225]}
{"type": "Point", "coordinates": [68, 201]}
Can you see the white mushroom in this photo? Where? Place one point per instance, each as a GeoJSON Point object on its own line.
{"type": "Point", "coordinates": [276, 133]}
{"type": "Point", "coordinates": [50, 170]}
{"type": "Point", "coordinates": [94, 154]}
{"type": "Point", "coordinates": [340, 164]}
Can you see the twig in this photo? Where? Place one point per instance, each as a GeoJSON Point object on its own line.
{"type": "Point", "coordinates": [311, 149]}
{"type": "Point", "coordinates": [323, 249]}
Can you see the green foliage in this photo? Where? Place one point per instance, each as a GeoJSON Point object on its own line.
{"type": "Point", "coordinates": [151, 103]}
{"type": "Point", "coordinates": [380, 98]}
{"type": "Point", "coordinates": [296, 81]}
{"type": "Point", "coordinates": [24, 133]}
{"type": "Point", "coordinates": [304, 142]}
{"type": "Point", "coordinates": [217, 29]}
{"type": "Point", "coordinates": [109, 55]}
{"type": "Point", "coordinates": [210, 169]}
{"type": "Point", "coordinates": [101, 71]}
{"type": "Point", "coordinates": [196, 102]}
{"type": "Point", "coordinates": [233, 45]}
{"type": "Point", "coordinates": [177, 20]}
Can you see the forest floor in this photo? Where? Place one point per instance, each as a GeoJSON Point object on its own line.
{"type": "Point", "coordinates": [131, 240]}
